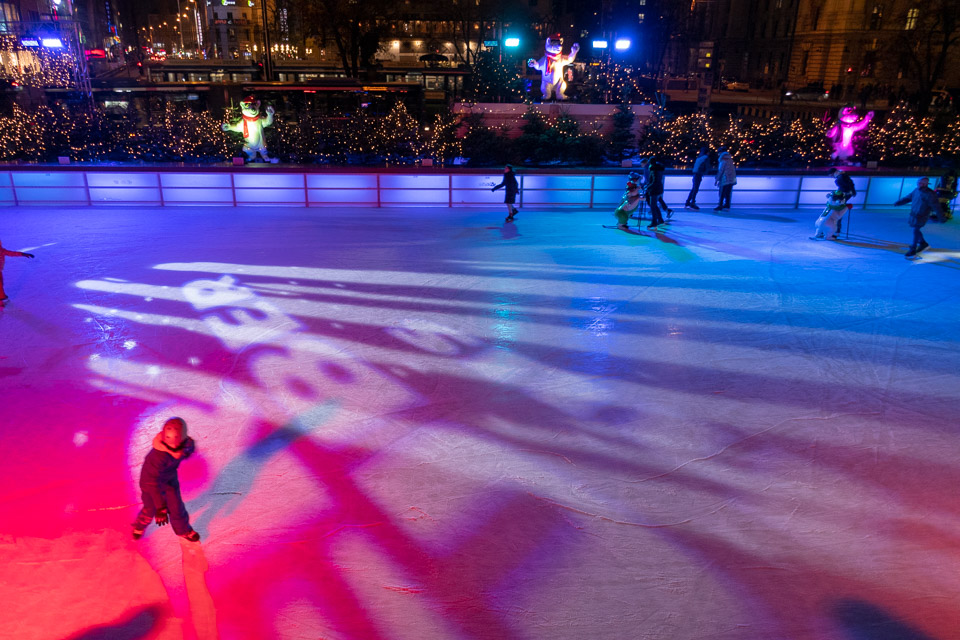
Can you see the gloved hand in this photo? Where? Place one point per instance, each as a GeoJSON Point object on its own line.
{"type": "Point", "coordinates": [163, 517]}
{"type": "Point", "coordinates": [28, 255]}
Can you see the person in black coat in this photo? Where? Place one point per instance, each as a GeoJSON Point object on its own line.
{"type": "Point", "coordinates": [159, 484]}
{"type": "Point", "coordinates": [654, 192]}
{"type": "Point", "coordinates": [923, 201]}
{"type": "Point", "coordinates": [512, 188]}
{"type": "Point", "coordinates": [844, 183]}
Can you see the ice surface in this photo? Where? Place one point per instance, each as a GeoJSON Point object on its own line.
{"type": "Point", "coordinates": [431, 425]}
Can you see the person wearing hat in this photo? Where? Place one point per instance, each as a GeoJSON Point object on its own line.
{"type": "Point", "coordinates": [511, 188]}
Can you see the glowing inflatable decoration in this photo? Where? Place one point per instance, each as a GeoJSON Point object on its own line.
{"type": "Point", "coordinates": [848, 123]}
{"type": "Point", "coordinates": [251, 127]}
{"type": "Point", "coordinates": [552, 84]}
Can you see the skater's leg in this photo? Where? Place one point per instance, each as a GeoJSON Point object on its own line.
{"type": "Point", "coordinates": [692, 196]}
{"type": "Point", "coordinates": [918, 239]}
{"type": "Point", "coordinates": [146, 515]}
{"type": "Point", "coordinates": [656, 218]}
{"type": "Point", "coordinates": [3, 294]}
{"type": "Point", "coordinates": [179, 518]}
{"type": "Point", "coordinates": [725, 195]}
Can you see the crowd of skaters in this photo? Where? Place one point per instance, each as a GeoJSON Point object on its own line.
{"type": "Point", "coordinates": [645, 187]}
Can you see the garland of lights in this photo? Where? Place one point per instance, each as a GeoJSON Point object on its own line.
{"type": "Point", "coordinates": [179, 134]}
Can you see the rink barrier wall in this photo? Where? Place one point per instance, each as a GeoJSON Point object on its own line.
{"type": "Point", "coordinates": [220, 186]}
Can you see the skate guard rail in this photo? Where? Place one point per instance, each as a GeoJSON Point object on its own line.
{"type": "Point", "coordinates": [277, 186]}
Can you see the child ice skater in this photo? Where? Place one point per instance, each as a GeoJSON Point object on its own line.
{"type": "Point", "coordinates": [511, 189]}
{"type": "Point", "coordinates": [3, 256]}
{"type": "Point", "coordinates": [629, 204]}
{"type": "Point", "coordinates": [829, 221]}
{"type": "Point", "coordinates": [159, 484]}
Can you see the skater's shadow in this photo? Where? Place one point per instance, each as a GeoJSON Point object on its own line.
{"type": "Point", "coordinates": [872, 243]}
{"type": "Point", "coordinates": [864, 621]}
{"type": "Point", "coordinates": [136, 625]}
{"type": "Point", "coordinates": [748, 216]}
{"type": "Point", "coordinates": [662, 237]}
{"type": "Point", "coordinates": [237, 477]}
{"type": "Point", "coordinates": [509, 230]}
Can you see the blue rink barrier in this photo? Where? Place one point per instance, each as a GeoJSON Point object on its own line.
{"type": "Point", "coordinates": [77, 185]}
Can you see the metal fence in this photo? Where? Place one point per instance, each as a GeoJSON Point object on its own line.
{"type": "Point", "coordinates": [74, 186]}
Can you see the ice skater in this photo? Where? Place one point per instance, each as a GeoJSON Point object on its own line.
{"type": "Point", "coordinates": [3, 256]}
{"type": "Point", "coordinates": [511, 187]}
{"type": "Point", "coordinates": [845, 184]}
{"type": "Point", "coordinates": [726, 178]}
{"type": "Point", "coordinates": [827, 226]}
{"type": "Point", "coordinates": [646, 168]}
{"type": "Point", "coordinates": [653, 194]}
{"type": "Point", "coordinates": [922, 201]}
{"type": "Point", "coordinates": [628, 204]}
{"type": "Point", "coordinates": [159, 484]}
{"type": "Point", "coordinates": [700, 167]}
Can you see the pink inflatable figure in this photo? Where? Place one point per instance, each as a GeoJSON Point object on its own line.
{"type": "Point", "coordinates": [848, 123]}
{"type": "Point", "coordinates": [551, 67]}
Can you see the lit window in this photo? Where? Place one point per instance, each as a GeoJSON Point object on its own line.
{"type": "Point", "coordinates": [912, 16]}
{"type": "Point", "coordinates": [640, 17]}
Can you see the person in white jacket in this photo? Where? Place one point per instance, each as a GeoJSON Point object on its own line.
{"type": "Point", "coordinates": [726, 178]}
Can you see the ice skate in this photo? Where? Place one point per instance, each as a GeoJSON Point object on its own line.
{"type": "Point", "coordinates": [922, 247]}
{"type": "Point", "coordinates": [136, 533]}
{"type": "Point", "coordinates": [193, 536]}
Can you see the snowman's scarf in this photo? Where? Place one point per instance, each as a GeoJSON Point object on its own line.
{"type": "Point", "coordinates": [251, 120]}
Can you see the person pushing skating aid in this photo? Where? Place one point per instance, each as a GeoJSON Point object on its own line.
{"type": "Point", "coordinates": [159, 484]}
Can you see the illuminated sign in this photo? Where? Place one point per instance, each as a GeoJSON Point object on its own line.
{"type": "Point", "coordinates": [599, 44]}
{"type": "Point", "coordinates": [51, 43]}
{"type": "Point", "coordinates": [491, 43]}
{"type": "Point", "coordinates": [30, 42]}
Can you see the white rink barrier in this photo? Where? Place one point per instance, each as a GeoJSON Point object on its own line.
{"type": "Point", "coordinates": [80, 186]}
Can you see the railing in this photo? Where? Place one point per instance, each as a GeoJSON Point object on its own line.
{"type": "Point", "coordinates": [279, 186]}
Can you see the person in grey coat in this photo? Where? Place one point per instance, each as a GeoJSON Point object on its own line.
{"type": "Point", "coordinates": [922, 201]}
{"type": "Point", "coordinates": [700, 167]}
{"type": "Point", "coordinates": [726, 178]}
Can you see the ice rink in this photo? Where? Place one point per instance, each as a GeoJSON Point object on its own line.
{"type": "Point", "coordinates": [431, 425]}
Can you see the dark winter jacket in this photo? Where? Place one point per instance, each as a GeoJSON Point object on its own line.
{"type": "Point", "coordinates": [922, 201]}
{"type": "Point", "coordinates": [160, 467]}
{"type": "Point", "coordinates": [654, 186]}
{"type": "Point", "coordinates": [845, 183]}
{"type": "Point", "coordinates": [701, 165]}
{"type": "Point", "coordinates": [510, 183]}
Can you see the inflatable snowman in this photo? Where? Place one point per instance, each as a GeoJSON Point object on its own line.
{"type": "Point", "coordinates": [251, 126]}
{"type": "Point", "coordinates": [552, 83]}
